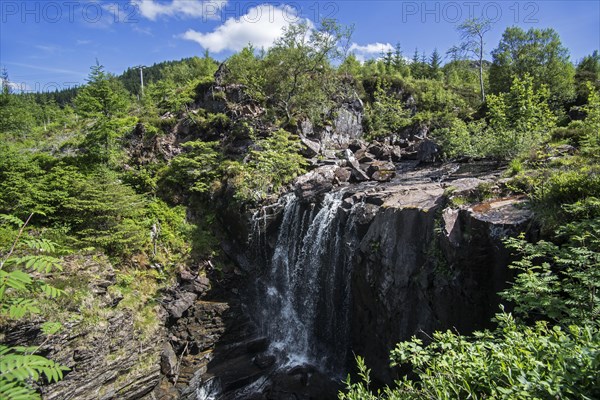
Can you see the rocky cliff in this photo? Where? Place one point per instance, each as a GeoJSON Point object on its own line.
{"type": "Point", "coordinates": [418, 252]}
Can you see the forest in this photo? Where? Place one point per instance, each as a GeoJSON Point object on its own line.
{"type": "Point", "coordinates": [77, 182]}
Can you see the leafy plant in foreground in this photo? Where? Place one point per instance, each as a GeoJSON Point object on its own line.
{"type": "Point", "coordinates": [19, 366]}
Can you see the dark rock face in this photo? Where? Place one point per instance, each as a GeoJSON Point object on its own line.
{"type": "Point", "coordinates": [408, 279]}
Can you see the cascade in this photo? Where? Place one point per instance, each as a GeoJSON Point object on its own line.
{"type": "Point", "coordinates": [304, 299]}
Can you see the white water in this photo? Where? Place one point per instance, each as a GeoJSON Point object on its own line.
{"type": "Point", "coordinates": [304, 310]}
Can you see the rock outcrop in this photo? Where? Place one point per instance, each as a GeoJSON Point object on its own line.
{"type": "Point", "coordinates": [419, 263]}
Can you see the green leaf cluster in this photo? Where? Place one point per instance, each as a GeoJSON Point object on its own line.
{"type": "Point", "coordinates": [19, 282]}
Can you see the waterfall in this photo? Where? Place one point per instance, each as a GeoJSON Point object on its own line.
{"type": "Point", "coordinates": [304, 298]}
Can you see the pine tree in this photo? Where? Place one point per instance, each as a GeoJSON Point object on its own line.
{"type": "Point", "coordinates": [105, 102]}
{"type": "Point", "coordinates": [388, 60]}
{"type": "Point", "coordinates": [415, 65]}
{"type": "Point", "coordinates": [435, 61]}
{"type": "Point", "coordinates": [102, 96]}
{"type": "Point", "coordinates": [5, 82]}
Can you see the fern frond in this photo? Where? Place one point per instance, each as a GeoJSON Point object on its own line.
{"type": "Point", "coordinates": [51, 291]}
{"type": "Point", "coordinates": [20, 307]}
{"type": "Point", "coordinates": [41, 244]}
{"type": "Point", "coordinates": [50, 328]}
{"type": "Point", "coordinates": [39, 263]}
{"type": "Point", "coordinates": [16, 279]}
{"type": "Point", "coordinates": [18, 367]}
{"type": "Point", "coordinates": [16, 391]}
{"type": "Point", "coordinates": [11, 219]}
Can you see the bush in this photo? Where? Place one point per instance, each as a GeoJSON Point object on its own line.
{"type": "Point", "coordinates": [514, 362]}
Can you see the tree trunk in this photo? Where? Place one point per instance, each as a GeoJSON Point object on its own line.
{"type": "Point", "coordinates": [481, 70]}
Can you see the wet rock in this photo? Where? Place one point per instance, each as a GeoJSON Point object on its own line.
{"type": "Point", "coordinates": [264, 361]}
{"type": "Point", "coordinates": [257, 345]}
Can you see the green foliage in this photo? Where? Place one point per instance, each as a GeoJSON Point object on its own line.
{"type": "Point", "coordinates": [561, 283]}
{"type": "Point", "coordinates": [386, 114]}
{"type": "Point", "coordinates": [179, 72]}
{"type": "Point", "coordinates": [101, 143]}
{"type": "Point", "coordinates": [591, 140]}
{"type": "Point", "coordinates": [108, 214]}
{"type": "Point", "coordinates": [104, 103]}
{"type": "Point", "coordinates": [521, 118]}
{"type": "Point", "coordinates": [169, 96]}
{"type": "Point", "coordinates": [302, 78]}
{"type": "Point", "coordinates": [17, 113]}
{"type": "Point", "coordinates": [173, 231]}
{"type": "Point", "coordinates": [198, 169]}
{"type": "Point", "coordinates": [587, 71]}
{"type": "Point", "coordinates": [248, 69]}
{"type": "Point", "coordinates": [273, 163]}
{"type": "Point", "coordinates": [102, 96]}
{"type": "Point", "coordinates": [460, 138]}
{"type": "Point", "coordinates": [19, 366]}
{"type": "Point", "coordinates": [513, 362]}
{"type": "Point", "coordinates": [538, 53]}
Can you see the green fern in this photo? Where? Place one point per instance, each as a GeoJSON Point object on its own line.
{"type": "Point", "coordinates": [16, 364]}
{"type": "Point", "coordinates": [19, 366]}
{"type": "Point", "coordinates": [11, 219]}
{"type": "Point", "coordinates": [16, 391]}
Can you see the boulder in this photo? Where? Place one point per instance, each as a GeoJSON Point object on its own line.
{"type": "Point", "coordinates": [264, 361]}
{"type": "Point", "coordinates": [363, 156]}
{"type": "Point", "coordinates": [343, 175]}
{"type": "Point", "coordinates": [168, 360]}
{"type": "Point", "coordinates": [382, 171]}
{"type": "Point", "coordinates": [396, 154]}
{"type": "Point", "coordinates": [425, 151]}
{"type": "Point", "coordinates": [428, 151]}
{"type": "Point", "coordinates": [311, 147]}
{"type": "Point", "coordinates": [380, 151]}
{"type": "Point", "coordinates": [306, 127]}
{"type": "Point", "coordinates": [181, 304]}
{"type": "Point", "coordinates": [315, 183]}
{"type": "Point", "coordinates": [357, 144]}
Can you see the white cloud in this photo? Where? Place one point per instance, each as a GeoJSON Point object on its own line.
{"type": "Point", "coordinates": [371, 50]}
{"type": "Point", "coordinates": [152, 9]}
{"type": "Point", "coordinates": [261, 26]}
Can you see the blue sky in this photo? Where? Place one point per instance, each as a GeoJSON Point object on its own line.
{"type": "Point", "coordinates": [50, 44]}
